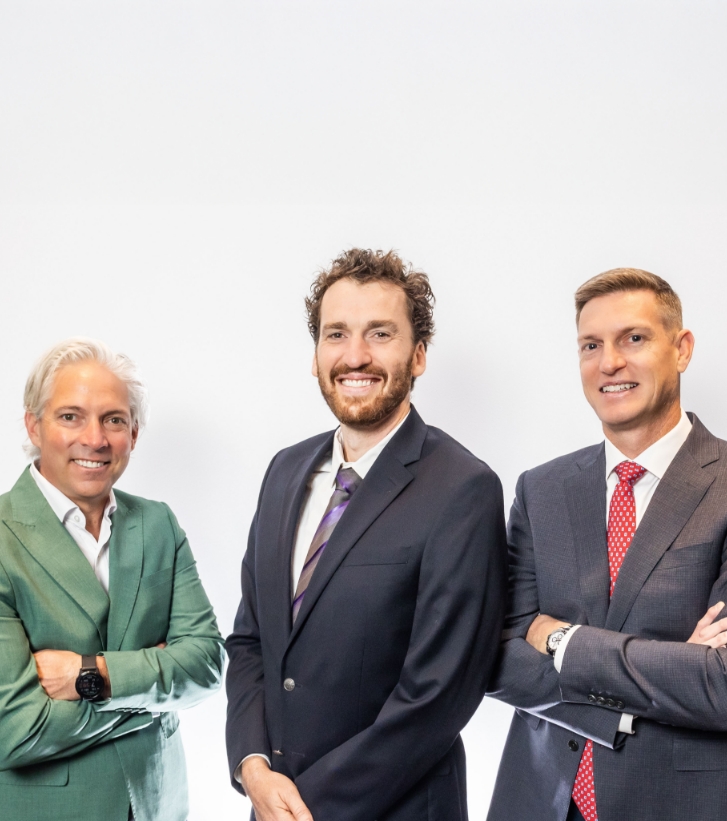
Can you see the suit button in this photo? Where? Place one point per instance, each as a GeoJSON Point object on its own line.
{"type": "Point", "coordinates": [610, 702]}
{"type": "Point", "coordinates": [289, 685]}
{"type": "Point", "coordinates": [573, 745]}
{"type": "Point", "coordinates": [600, 700]}
{"type": "Point", "coordinates": [591, 698]}
{"type": "Point", "coordinates": [620, 705]}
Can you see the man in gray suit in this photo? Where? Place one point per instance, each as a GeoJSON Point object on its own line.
{"type": "Point", "coordinates": [614, 652]}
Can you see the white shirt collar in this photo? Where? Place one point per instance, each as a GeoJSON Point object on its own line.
{"type": "Point", "coordinates": [657, 457]}
{"type": "Point", "coordinates": [60, 504]}
{"type": "Point", "coordinates": [364, 464]}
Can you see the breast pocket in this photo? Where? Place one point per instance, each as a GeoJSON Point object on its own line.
{"type": "Point", "coordinates": [690, 555]}
{"type": "Point", "coordinates": [367, 555]}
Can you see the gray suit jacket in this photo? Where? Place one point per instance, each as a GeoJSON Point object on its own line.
{"type": "Point", "coordinates": [630, 656]}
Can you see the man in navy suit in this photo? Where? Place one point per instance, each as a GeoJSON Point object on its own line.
{"type": "Point", "coordinates": [373, 585]}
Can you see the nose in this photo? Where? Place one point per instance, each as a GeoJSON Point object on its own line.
{"type": "Point", "coordinates": [612, 360]}
{"type": "Point", "coordinates": [357, 353]}
{"type": "Point", "coordinates": [94, 435]}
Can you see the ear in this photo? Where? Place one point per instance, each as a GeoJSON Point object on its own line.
{"type": "Point", "coordinates": [32, 423]}
{"type": "Point", "coordinates": [685, 346]}
{"type": "Point", "coordinates": [134, 436]}
{"type": "Point", "coordinates": [419, 360]}
{"type": "Point", "coordinates": [314, 367]}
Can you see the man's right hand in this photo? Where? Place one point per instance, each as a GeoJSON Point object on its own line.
{"type": "Point", "coordinates": [708, 631]}
{"type": "Point", "coordinates": [274, 796]}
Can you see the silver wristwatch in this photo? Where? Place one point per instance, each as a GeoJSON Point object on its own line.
{"type": "Point", "coordinates": [555, 638]}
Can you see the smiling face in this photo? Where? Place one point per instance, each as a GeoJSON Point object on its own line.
{"type": "Point", "coordinates": [85, 434]}
{"type": "Point", "coordinates": [630, 363]}
{"type": "Point", "coordinates": [366, 357]}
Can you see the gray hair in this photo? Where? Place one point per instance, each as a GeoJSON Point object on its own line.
{"type": "Point", "coordinates": [39, 386]}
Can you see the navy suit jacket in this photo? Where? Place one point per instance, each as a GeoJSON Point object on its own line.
{"type": "Point", "coordinates": [631, 654]}
{"type": "Point", "coordinates": [394, 642]}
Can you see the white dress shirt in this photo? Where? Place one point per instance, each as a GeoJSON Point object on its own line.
{"type": "Point", "coordinates": [321, 484]}
{"type": "Point", "coordinates": [71, 517]}
{"type": "Point", "coordinates": [656, 459]}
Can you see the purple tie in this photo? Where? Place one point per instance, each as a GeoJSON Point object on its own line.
{"type": "Point", "coordinates": [347, 480]}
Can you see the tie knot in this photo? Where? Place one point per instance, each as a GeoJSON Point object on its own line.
{"type": "Point", "coordinates": [347, 480]}
{"type": "Point", "coordinates": [629, 472]}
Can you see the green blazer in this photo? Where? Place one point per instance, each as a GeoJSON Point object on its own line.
{"type": "Point", "coordinates": [73, 760]}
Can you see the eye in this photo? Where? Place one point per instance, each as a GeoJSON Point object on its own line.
{"type": "Point", "coordinates": [68, 417]}
{"type": "Point", "coordinates": [335, 335]}
{"type": "Point", "coordinates": [116, 421]}
{"type": "Point", "coordinates": [636, 337]}
{"type": "Point", "coordinates": [590, 346]}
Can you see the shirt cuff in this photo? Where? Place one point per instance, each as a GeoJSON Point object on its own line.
{"type": "Point", "coordinates": [559, 653]}
{"type": "Point", "coordinates": [238, 771]}
{"type": "Point", "coordinates": [626, 725]}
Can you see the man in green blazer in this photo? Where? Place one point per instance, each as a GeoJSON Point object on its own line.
{"type": "Point", "coordinates": [105, 630]}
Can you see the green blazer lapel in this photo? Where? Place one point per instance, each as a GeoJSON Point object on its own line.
{"type": "Point", "coordinates": [126, 555]}
{"type": "Point", "coordinates": [41, 533]}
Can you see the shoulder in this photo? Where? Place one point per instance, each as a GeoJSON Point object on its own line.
{"type": "Point", "coordinates": [562, 466]}
{"type": "Point", "coordinates": [448, 457]}
{"type": "Point", "coordinates": [294, 454]}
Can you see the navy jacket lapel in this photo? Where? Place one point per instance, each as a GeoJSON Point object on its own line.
{"type": "Point", "coordinates": [293, 499]}
{"type": "Point", "coordinates": [675, 499]}
{"type": "Point", "coordinates": [126, 557]}
{"type": "Point", "coordinates": [384, 482]}
{"type": "Point", "coordinates": [585, 493]}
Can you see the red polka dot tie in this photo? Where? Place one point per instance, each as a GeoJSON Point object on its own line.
{"type": "Point", "coordinates": [621, 529]}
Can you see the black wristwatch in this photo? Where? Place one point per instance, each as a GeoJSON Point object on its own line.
{"type": "Point", "coordinates": [90, 683]}
{"type": "Point", "coordinates": [555, 638]}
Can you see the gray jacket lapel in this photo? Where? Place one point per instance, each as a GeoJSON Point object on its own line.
{"type": "Point", "coordinates": [681, 489]}
{"type": "Point", "coordinates": [126, 556]}
{"type": "Point", "coordinates": [384, 482]}
{"type": "Point", "coordinates": [585, 493]}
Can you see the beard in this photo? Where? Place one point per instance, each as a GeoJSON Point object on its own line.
{"type": "Point", "coordinates": [367, 412]}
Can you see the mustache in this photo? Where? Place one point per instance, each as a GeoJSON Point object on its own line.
{"type": "Point", "coordinates": [369, 370]}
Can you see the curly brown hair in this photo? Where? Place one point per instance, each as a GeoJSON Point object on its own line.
{"type": "Point", "coordinates": [363, 265]}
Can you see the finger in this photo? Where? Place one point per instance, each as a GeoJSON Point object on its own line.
{"type": "Point", "coordinates": [297, 806]}
{"type": "Point", "coordinates": [713, 629]}
{"type": "Point", "coordinates": [711, 614]}
{"type": "Point", "coordinates": [161, 645]}
{"type": "Point", "coordinates": [717, 641]}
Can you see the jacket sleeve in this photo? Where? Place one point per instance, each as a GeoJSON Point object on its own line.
{"type": "Point", "coordinates": [525, 678]}
{"type": "Point", "coordinates": [460, 607]}
{"type": "Point", "coordinates": [34, 727]}
{"type": "Point", "coordinates": [189, 668]}
{"type": "Point", "coordinates": [245, 730]}
{"type": "Point", "coordinates": [675, 683]}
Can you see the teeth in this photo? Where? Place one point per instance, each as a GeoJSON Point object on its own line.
{"type": "Point", "coordinates": [357, 383]}
{"type": "Point", "coordinates": [618, 388]}
{"type": "Point", "coordinates": [85, 463]}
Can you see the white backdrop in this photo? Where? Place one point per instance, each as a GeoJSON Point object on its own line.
{"type": "Point", "coordinates": [173, 173]}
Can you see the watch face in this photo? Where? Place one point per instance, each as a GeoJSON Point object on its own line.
{"type": "Point", "coordinates": [89, 685]}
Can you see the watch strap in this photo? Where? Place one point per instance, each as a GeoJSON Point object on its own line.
{"type": "Point", "coordinates": [88, 663]}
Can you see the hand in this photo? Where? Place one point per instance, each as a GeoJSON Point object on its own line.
{"type": "Point", "coordinates": [540, 629]}
{"type": "Point", "coordinates": [58, 671]}
{"type": "Point", "coordinates": [708, 631]}
{"type": "Point", "coordinates": [274, 796]}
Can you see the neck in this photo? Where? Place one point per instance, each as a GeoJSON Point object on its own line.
{"type": "Point", "coordinates": [94, 517]}
{"type": "Point", "coordinates": [358, 440]}
{"type": "Point", "coordinates": [633, 442]}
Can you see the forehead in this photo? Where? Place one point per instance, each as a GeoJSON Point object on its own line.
{"type": "Point", "coordinates": [619, 310]}
{"type": "Point", "coordinates": [352, 302]}
{"type": "Point", "coordinates": [89, 382]}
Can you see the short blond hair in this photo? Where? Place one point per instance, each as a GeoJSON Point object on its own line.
{"type": "Point", "coordinates": [39, 386]}
{"type": "Point", "coordinates": [633, 279]}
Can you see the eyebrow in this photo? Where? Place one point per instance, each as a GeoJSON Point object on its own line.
{"type": "Point", "coordinates": [634, 329]}
{"type": "Point", "coordinates": [374, 323]}
{"type": "Point", "coordinates": [77, 409]}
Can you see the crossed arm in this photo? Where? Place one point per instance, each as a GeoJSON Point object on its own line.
{"type": "Point", "coordinates": [639, 671]}
{"type": "Point", "coordinates": [42, 716]}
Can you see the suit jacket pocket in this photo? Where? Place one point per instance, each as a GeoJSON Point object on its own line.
{"type": "Point", "coordinates": [367, 554]}
{"type": "Point", "coordinates": [692, 554]}
{"type": "Point", "coordinates": [706, 753]}
{"type": "Point", "coordinates": [154, 579]}
{"type": "Point", "coordinates": [48, 774]}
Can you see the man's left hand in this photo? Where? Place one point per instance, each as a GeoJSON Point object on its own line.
{"type": "Point", "coordinates": [58, 671]}
{"type": "Point", "coordinates": [540, 629]}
